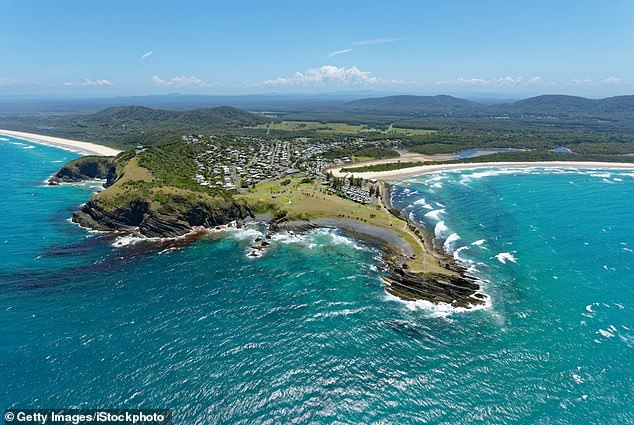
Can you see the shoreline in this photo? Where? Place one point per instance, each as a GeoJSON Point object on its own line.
{"type": "Point", "coordinates": [86, 148]}
{"type": "Point", "coordinates": [453, 289]}
{"type": "Point", "coordinates": [396, 175]}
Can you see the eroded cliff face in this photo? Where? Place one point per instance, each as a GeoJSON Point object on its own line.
{"type": "Point", "coordinates": [174, 218]}
{"type": "Point", "coordinates": [86, 168]}
{"type": "Point", "coordinates": [138, 202]}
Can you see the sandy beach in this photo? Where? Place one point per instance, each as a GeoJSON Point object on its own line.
{"type": "Point", "coordinates": [423, 169]}
{"type": "Point", "coordinates": [84, 147]}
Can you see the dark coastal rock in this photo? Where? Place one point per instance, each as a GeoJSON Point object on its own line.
{"type": "Point", "coordinates": [458, 291]}
{"type": "Point", "coordinates": [139, 217]}
{"type": "Point", "coordinates": [86, 168]}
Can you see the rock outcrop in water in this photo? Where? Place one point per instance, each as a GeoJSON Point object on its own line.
{"type": "Point", "coordinates": [86, 168]}
{"type": "Point", "coordinates": [150, 220]}
{"type": "Point", "coordinates": [458, 291]}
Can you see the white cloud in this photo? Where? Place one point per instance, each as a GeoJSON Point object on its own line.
{"type": "Point", "coordinates": [91, 83]}
{"type": "Point", "coordinates": [611, 81]}
{"type": "Point", "coordinates": [492, 82]}
{"type": "Point", "coordinates": [147, 54]}
{"type": "Point", "coordinates": [534, 81]}
{"type": "Point", "coordinates": [330, 75]}
{"type": "Point", "coordinates": [580, 81]}
{"type": "Point", "coordinates": [10, 81]}
{"type": "Point", "coordinates": [376, 41]}
{"type": "Point", "coordinates": [339, 52]}
{"type": "Point", "coordinates": [180, 81]}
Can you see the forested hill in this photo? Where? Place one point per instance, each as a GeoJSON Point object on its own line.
{"type": "Point", "coordinates": [142, 118]}
{"type": "Point", "coordinates": [413, 105]}
{"type": "Point", "coordinates": [553, 105]}
{"type": "Point", "coordinates": [567, 105]}
{"type": "Point", "coordinates": [127, 126]}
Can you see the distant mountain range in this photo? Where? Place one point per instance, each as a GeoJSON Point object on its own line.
{"type": "Point", "coordinates": [555, 105]}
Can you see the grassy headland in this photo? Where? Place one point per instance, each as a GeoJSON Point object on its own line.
{"type": "Point", "coordinates": [309, 201]}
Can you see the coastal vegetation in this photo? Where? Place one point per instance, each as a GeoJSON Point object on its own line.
{"type": "Point", "coordinates": [152, 193]}
{"type": "Point", "coordinates": [386, 166]}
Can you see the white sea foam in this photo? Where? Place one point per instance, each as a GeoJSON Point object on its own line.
{"type": "Point", "coordinates": [254, 253]}
{"type": "Point", "coordinates": [478, 242]}
{"type": "Point", "coordinates": [438, 309]}
{"type": "Point", "coordinates": [336, 313]}
{"type": "Point", "coordinates": [435, 214]}
{"type": "Point", "coordinates": [503, 257]}
{"type": "Point", "coordinates": [450, 241]}
{"type": "Point", "coordinates": [127, 240]}
{"type": "Point", "coordinates": [130, 240]}
{"type": "Point", "coordinates": [605, 333]}
{"type": "Point", "coordinates": [456, 254]}
{"type": "Point", "coordinates": [424, 204]}
{"type": "Point", "coordinates": [466, 178]}
{"type": "Point", "coordinates": [3, 139]}
{"type": "Point", "coordinates": [441, 229]}
{"type": "Point", "coordinates": [337, 239]}
{"type": "Point", "coordinates": [245, 233]}
{"type": "Point", "coordinates": [315, 238]}
{"type": "Point", "coordinates": [287, 237]}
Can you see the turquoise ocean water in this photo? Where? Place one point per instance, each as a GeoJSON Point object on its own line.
{"type": "Point", "coordinates": [306, 333]}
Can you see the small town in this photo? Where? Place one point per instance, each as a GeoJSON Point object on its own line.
{"type": "Point", "coordinates": [246, 161]}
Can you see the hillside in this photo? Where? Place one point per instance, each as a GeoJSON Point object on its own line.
{"type": "Point", "coordinates": [150, 193]}
{"type": "Point", "coordinates": [127, 126]}
{"type": "Point", "coordinates": [415, 105]}
{"type": "Point", "coordinates": [439, 106]}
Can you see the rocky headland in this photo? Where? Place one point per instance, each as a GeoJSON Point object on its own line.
{"type": "Point", "coordinates": [149, 198]}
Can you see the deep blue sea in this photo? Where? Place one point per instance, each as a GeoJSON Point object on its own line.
{"type": "Point", "coordinates": [306, 333]}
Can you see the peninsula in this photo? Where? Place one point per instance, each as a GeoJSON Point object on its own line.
{"type": "Point", "coordinates": [174, 189]}
{"type": "Point", "coordinates": [183, 170]}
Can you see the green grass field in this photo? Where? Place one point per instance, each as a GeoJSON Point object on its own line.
{"type": "Point", "coordinates": [310, 201]}
{"type": "Point", "coordinates": [338, 128]}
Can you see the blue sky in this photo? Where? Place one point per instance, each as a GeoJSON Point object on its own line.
{"type": "Point", "coordinates": [211, 47]}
